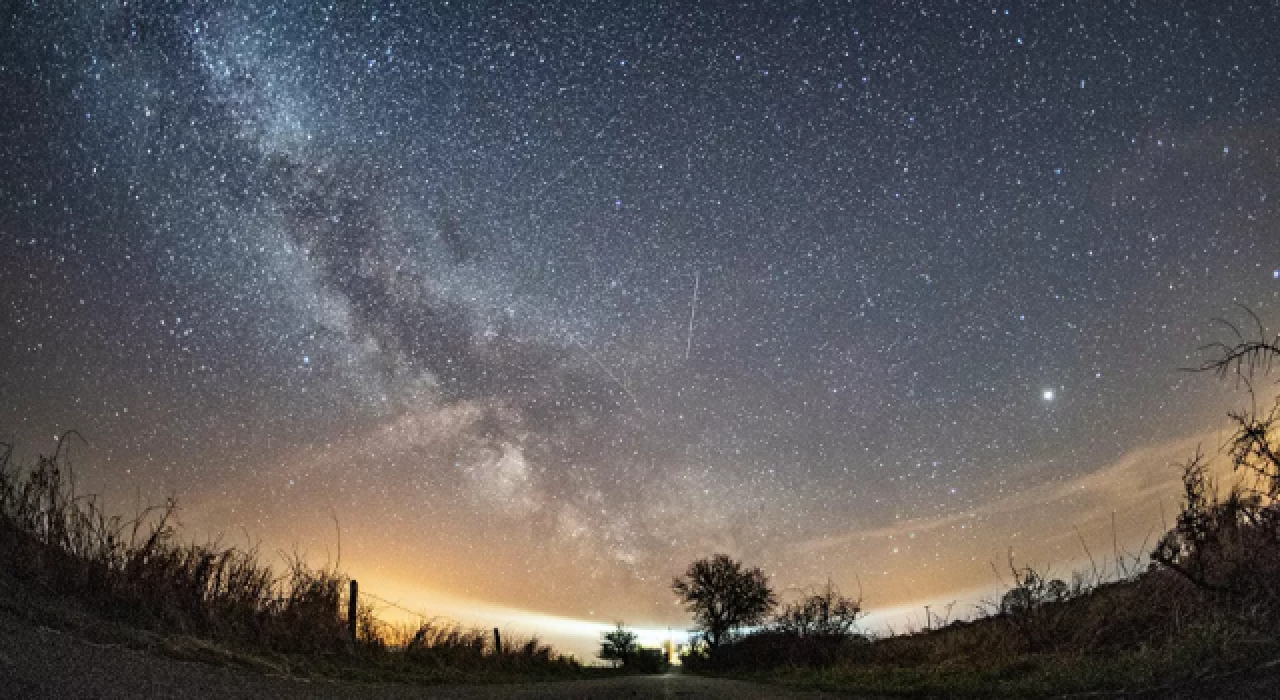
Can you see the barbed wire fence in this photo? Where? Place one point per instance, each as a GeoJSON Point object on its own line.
{"type": "Point", "coordinates": [356, 596]}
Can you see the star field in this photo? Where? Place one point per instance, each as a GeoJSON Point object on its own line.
{"type": "Point", "coordinates": [430, 268]}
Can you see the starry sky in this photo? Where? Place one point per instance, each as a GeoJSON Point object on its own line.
{"type": "Point", "coordinates": [540, 302]}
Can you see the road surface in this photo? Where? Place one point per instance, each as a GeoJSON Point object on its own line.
{"type": "Point", "coordinates": [39, 663]}
{"type": "Point", "coordinates": [43, 664]}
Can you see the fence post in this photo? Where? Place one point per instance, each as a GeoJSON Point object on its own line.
{"type": "Point", "coordinates": [497, 641]}
{"type": "Point", "coordinates": [351, 610]}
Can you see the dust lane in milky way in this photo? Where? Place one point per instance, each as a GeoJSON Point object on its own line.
{"type": "Point", "coordinates": [433, 269]}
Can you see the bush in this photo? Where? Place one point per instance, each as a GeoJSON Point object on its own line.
{"type": "Point", "coordinates": [618, 645]}
{"type": "Point", "coordinates": [1229, 547]}
{"type": "Point", "coordinates": [646, 660]}
{"type": "Point", "coordinates": [824, 613]}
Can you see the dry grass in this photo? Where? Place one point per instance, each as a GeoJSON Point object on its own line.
{"type": "Point", "coordinates": [1209, 600]}
{"type": "Point", "coordinates": [1151, 630]}
{"type": "Point", "coordinates": [446, 644]}
{"type": "Point", "coordinates": [1210, 609]}
{"type": "Point", "coordinates": [1206, 604]}
{"type": "Point", "coordinates": [137, 572]}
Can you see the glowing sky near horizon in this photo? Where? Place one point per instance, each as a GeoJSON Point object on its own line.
{"type": "Point", "coordinates": [430, 269]}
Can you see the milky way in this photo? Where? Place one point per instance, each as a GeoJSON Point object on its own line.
{"type": "Point", "coordinates": [429, 270]}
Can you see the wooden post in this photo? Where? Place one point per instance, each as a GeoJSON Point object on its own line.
{"type": "Point", "coordinates": [497, 641]}
{"type": "Point", "coordinates": [351, 610]}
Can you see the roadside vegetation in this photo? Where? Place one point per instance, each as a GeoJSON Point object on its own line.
{"type": "Point", "coordinates": [1203, 610]}
{"type": "Point", "coordinates": [65, 562]}
{"type": "Point", "coordinates": [620, 646]}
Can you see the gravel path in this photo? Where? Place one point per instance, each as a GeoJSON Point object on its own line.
{"type": "Point", "coordinates": [40, 663]}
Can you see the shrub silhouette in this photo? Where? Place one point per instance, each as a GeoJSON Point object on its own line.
{"type": "Point", "coordinates": [1034, 607]}
{"type": "Point", "coordinates": [619, 644]}
{"type": "Point", "coordinates": [647, 660]}
{"type": "Point", "coordinates": [811, 631]}
{"type": "Point", "coordinates": [1229, 546]}
{"type": "Point", "coordinates": [823, 613]}
{"type": "Point", "coordinates": [1032, 591]}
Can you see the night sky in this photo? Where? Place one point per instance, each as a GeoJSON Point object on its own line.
{"type": "Point", "coordinates": [429, 269]}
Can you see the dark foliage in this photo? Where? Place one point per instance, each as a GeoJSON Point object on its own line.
{"type": "Point", "coordinates": [618, 644]}
{"type": "Point", "coordinates": [724, 597]}
{"type": "Point", "coordinates": [1229, 545]}
{"type": "Point", "coordinates": [1210, 599]}
{"type": "Point", "coordinates": [646, 660]}
{"type": "Point", "coordinates": [823, 613]}
{"type": "Point", "coordinates": [136, 571]}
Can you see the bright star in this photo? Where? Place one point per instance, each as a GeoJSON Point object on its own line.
{"type": "Point", "coordinates": [1047, 394]}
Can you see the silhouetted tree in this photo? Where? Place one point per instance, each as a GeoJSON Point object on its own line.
{"type": "Point", "coordinates": [723, 596]}
{"type": "Point", "coordinates": [619, 644]}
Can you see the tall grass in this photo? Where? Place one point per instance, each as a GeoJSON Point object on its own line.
{"type": "Point", "coordinates": [138, 571]}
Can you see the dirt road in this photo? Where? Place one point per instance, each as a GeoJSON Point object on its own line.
{"type": "Point", "coordinates": [43, 664]}
{"type": "Point", "coordinates": [39, 663]}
